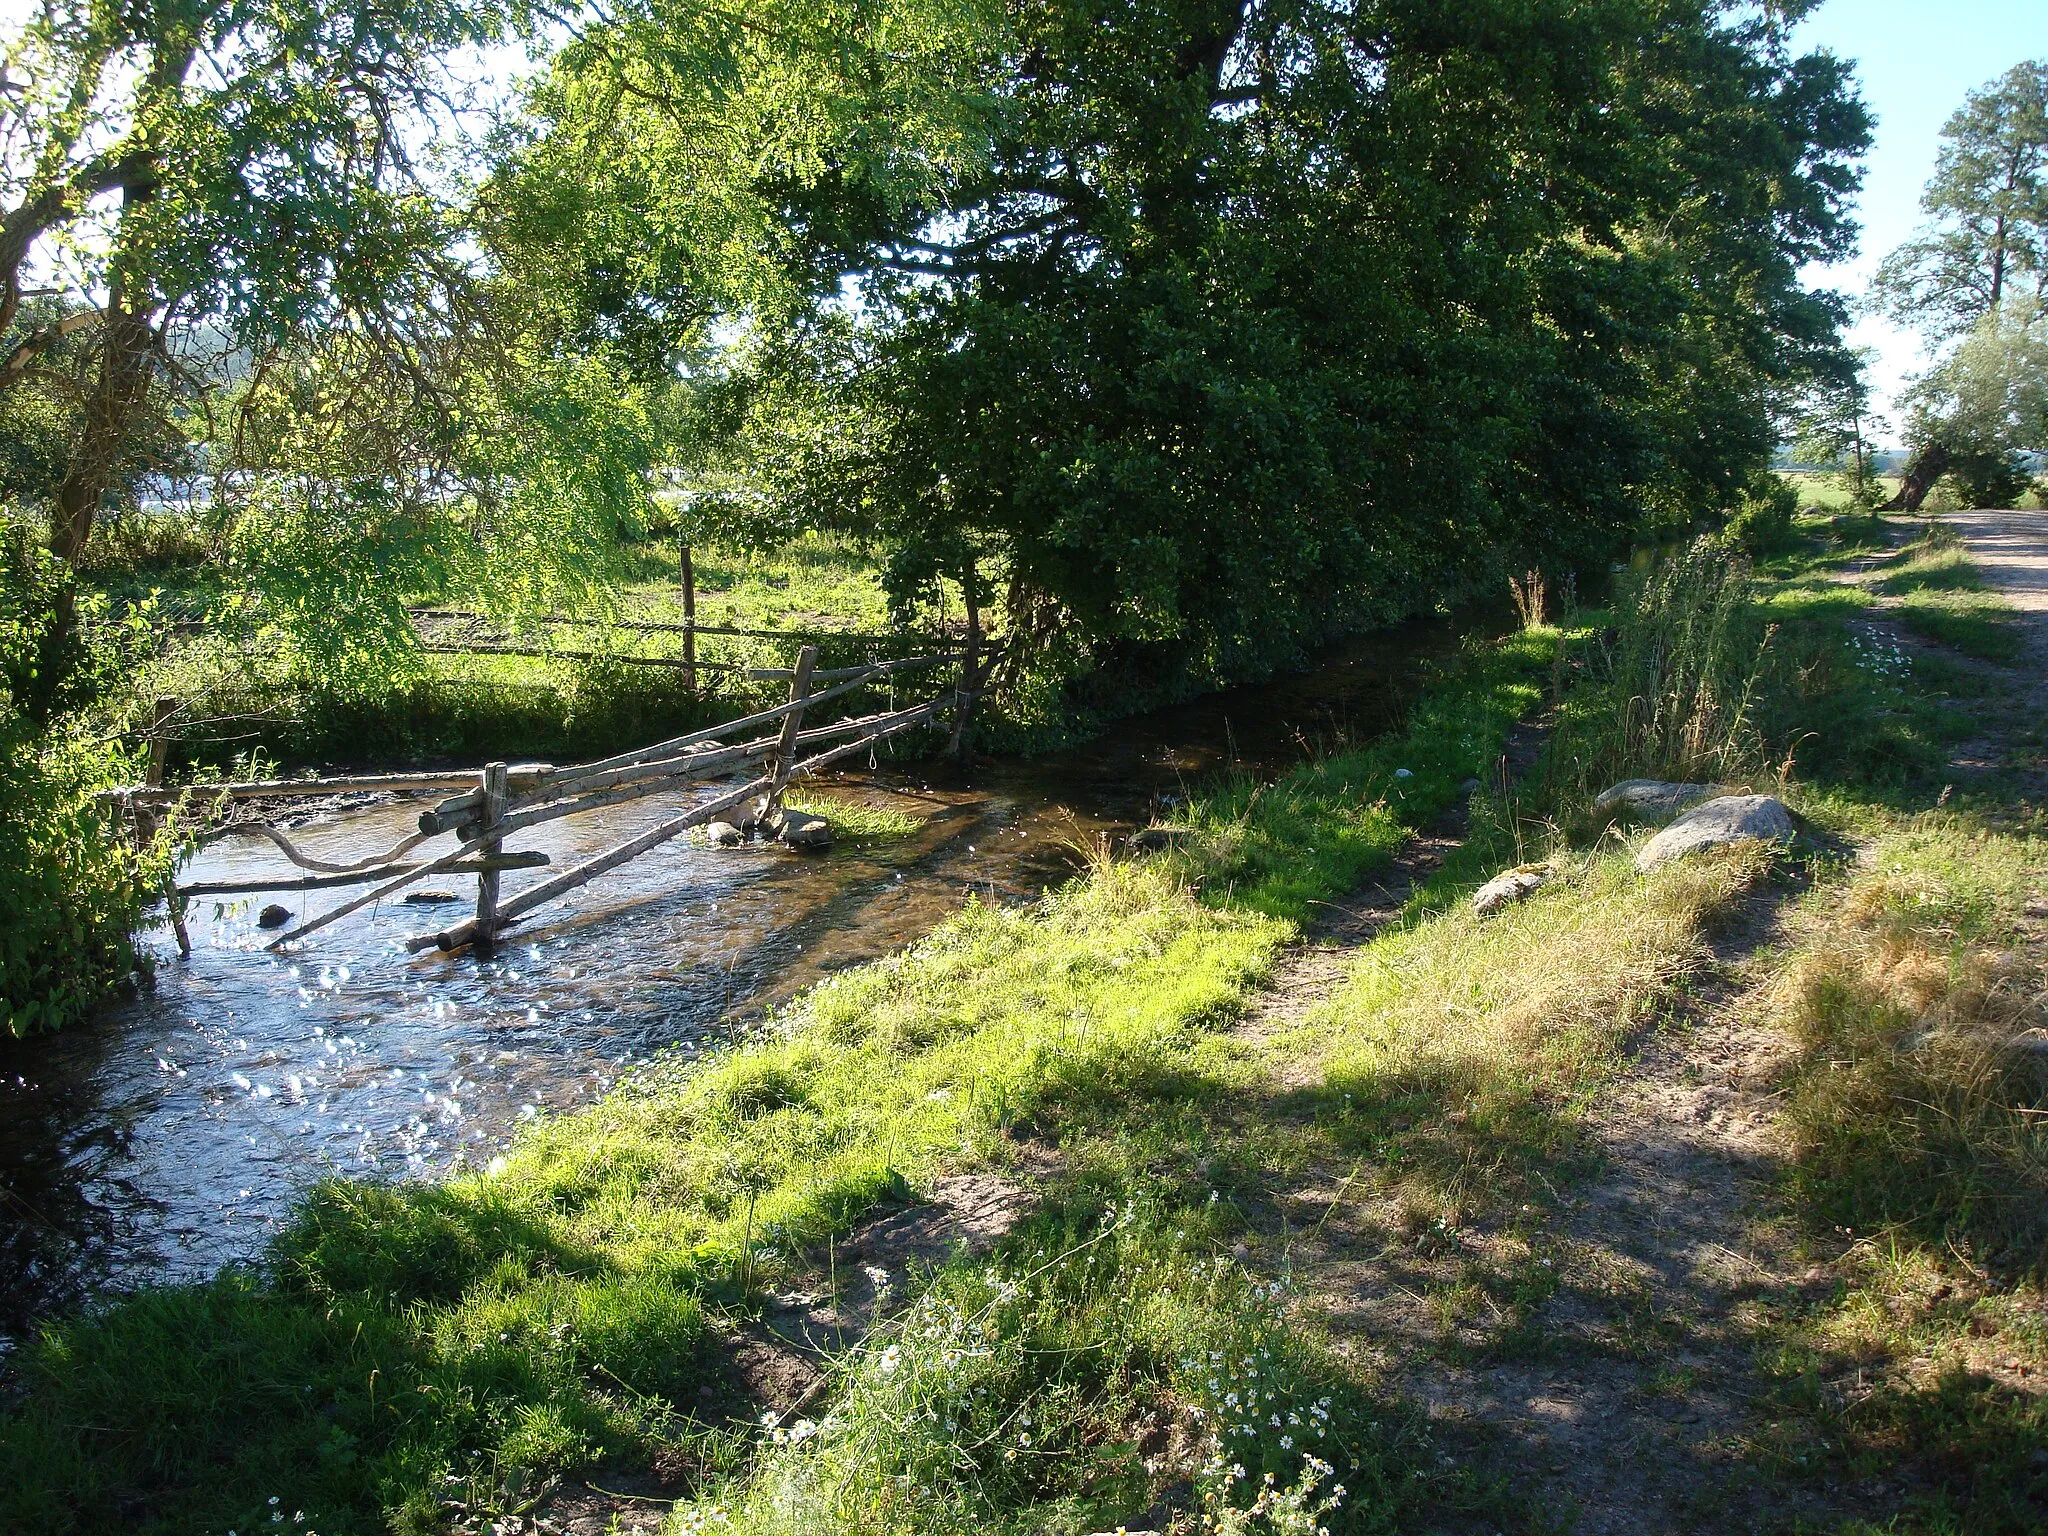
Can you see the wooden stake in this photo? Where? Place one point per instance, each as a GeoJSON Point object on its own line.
{"type": "Point", "coordinates": [493, 814]}
{"type": "Point", "coordinates": [784, 754]}
{"type": "Point", "coordinates": [689, 618]}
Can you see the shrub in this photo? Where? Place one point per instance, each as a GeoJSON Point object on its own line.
{"type": "Point", "coordinates": [71, 890]}
{"type": "Point", "coordinates": [1762, 520]}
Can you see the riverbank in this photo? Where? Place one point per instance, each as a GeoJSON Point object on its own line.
{"type": "Point", "coordinates": [1210, 1217]}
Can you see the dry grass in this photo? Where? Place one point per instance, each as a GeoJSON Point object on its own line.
{"type": "Point", "coordinates": [1481, 1040]}
{"type": "Point", "coordinates": [1919, 999]}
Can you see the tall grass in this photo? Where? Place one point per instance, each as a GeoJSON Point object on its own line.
{"type": "Point", "coordinates": [1080, 1381]}
{"type": "Point", "coordinates": [1670, 689]}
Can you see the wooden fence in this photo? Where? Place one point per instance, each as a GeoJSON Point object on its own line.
{"type": "Point", "coordinates": [502, 799]}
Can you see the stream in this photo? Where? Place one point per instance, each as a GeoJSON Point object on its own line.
{"type": "Point", "coordinates": [173, 1134]}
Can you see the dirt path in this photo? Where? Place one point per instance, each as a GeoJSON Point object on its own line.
{"type": "Point", "coordinates": [2010, 549]}
{"type": "Point", "coordinates": [1623, 1397]}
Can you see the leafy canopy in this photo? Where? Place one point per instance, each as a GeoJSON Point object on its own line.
{"type": "Point", "coordinates": [1213, 325]}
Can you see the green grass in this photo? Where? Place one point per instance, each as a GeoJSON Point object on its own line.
{"type": "Point", "coordinates": [564, 1306]}
{"type": "Point", "coordinates": [855, 819]}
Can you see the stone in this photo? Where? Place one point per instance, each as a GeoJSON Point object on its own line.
{"type": "Point", "coordinates": [1159, 839]}
{"type": "Point", "coordinates": [1509, 887]}
{"type": "Point", "coordinates": [429, 896]}
{"type": "Point", "coordinates": [273, 916]}
{"type": "Point", "coordinates": [1650, 801]}
{"type": "Point", "coordinates": [723, 834]}
{"type": "Point", "coordinates": [799, 829]}
{"type": "Point", "coordinates": [1720, 823]}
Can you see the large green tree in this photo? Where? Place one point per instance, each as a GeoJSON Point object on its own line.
{"type": "Point", "coordinates": [1979, 268]}
{"type": "Point", "coordinates": [1206, 326]}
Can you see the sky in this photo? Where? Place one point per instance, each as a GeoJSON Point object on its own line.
{"type": "Point", "coordinates": [1916, 60]}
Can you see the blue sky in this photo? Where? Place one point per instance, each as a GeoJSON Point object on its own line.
{"type": "Point", "coordinates": [1916, 59]}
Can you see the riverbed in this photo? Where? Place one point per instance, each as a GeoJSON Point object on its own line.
{"type": "Point", "coordinates": [174, 1134]}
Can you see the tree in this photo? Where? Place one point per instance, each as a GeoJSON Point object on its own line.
{"type": "Point", "coordinates": [1987, 207]}
{"type": "Point", "coordinates": [1834, 425]}
{"type": "Point", "coordinates": [1985, 407]}
{"type": "Point", "coordinates": [1982, 262]}
{"type": "Point", "coordinates": [1211, 326]}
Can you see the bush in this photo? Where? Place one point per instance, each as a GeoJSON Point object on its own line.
{"type": "Point", "coordinates": [71, 890]}
{"type": "Point", "coordinates": [1762, 520]}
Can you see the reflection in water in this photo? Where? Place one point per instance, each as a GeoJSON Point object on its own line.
{"type": "Point", "coordinates": [172, 1135]}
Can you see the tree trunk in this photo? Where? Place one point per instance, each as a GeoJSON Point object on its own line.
{"type": "Point", "coordinates": [1922, 470]}
{"type": "Point", "coordinates": [112, 413]}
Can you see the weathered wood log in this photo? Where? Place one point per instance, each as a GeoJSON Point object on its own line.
{"type": "Point", "coordinates": [519, 776]}
{"type": "Point", "coordinates": [359, 877]}
{"type": "Point", "coordinates": [779, 761]}
{"type": "Point", "coordinates": [543, 653]}
{"type": "Point", "coordinates": [656, 626]}
{"type": "Point", "coordinates": [335, 914]}
{"type": "Point", "coordinates": [590, 869]}
{"type": "Point", "coordinates": [465, 932]}
{"type": "Point", "coordinates": [677, 744]}
{"type": "Point", "coordinates": [838, 674]}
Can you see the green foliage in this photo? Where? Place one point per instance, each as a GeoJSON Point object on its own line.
{"type": "Point", "coordinates": [1078, 1382]}
{"type": "Point", "coordinates": [1762, 520]}
{"type": "Point", "coordinates": [1403, 285]}
{"type": "Point", "coordinates": [1285, 848]}
{"type": "Point", "coordinates": [71, 890]}
{"type": "Point", "coordinates": [1987, 206]}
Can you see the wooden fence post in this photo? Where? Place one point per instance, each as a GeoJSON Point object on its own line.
{"type": "Point", "coordinates": [493, 812]}
{"type": "Point", "coordinates": [689, 620]}
{"type": "Point", "coordinates": [784, 755]}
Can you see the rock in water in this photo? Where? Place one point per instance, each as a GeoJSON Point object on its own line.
{"type": "Point", "coordinates": [1718, 824]}
{"type": "Point", "coordinates": [1159, 839]}
{"type": "Point", "coordinates": [1508, 887]}
{"type": "Point", "coordinates": [273, 916]}
{"type": "Point", "coordinates": [427, 896]}
{"type": "Point", "coordinates": [723, 834]}
{"type": "Point", "coordinates": [800, 830]}
{"type": "Point", "coordinates": [1650, 801]}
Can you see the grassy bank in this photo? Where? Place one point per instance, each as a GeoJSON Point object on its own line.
{"type": "Point", "coordinates": [565, 1307]}
{"type": "Point", "coordinates": [1163, 1340]}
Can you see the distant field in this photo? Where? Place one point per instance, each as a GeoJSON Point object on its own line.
{"type": "Point", "coordinates": [1828, 494]}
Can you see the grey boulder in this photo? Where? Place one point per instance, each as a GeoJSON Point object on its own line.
{"type": "Point", "coordinates": [1720, 823]}
{"type": "Point", "coordinates": [799, 829]}
{"type": "Point", "coordinates": [1508, 887]}
{"type": "Point", "coordinates": [1650, 800]}
{"type": "Point", "coordinates": [724, 834]}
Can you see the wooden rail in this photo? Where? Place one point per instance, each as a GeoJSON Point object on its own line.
{"type": "Point", "coordinates": [504, 799]}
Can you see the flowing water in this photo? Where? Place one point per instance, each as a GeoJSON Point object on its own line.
{"type": "Point", "coordinates": [171, 1136]}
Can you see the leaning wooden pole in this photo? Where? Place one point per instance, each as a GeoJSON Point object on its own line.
{"type": "Point", "coordinates": [783, 757]}
{"type": "Point", "coordinates": [491, 816]}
